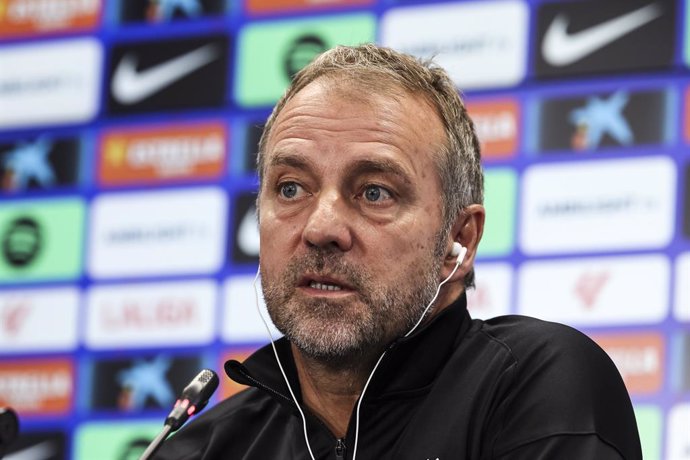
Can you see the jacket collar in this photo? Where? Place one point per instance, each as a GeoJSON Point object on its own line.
{"type": "Point", "coordinates": [410, 364]}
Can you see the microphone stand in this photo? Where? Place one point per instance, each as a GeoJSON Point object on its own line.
{"type": "Point", "coordinates": [156, 443]}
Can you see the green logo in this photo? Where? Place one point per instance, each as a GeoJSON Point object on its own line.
{"type": "Point", "coordinates": [500, 191]}
{"type": "Point", "coordinates": [114, 441]}
{"type": "Point", "coordinates": [41, 240]}
{"type": "Point", "coordinates": [270, 54]}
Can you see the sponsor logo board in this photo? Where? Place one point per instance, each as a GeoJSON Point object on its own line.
{"type": "Point", "coordinates": [680, 364]}
{"type": "Point", "coordinates": [245, 247]}
{"type": "Point", "coordinates": [639, 358]}
{"type": "Point", "coordinates": [253, 133]}
{"type": "Point", "coordinates": [40, 240]}
{"type": "Point", "coordinates": [577, 207]}
{"type": "Point", "coordinates": [114, 440]}
{"type": "Point", "coordinates": [686, 116]}
{"type": "Point", "coordinates": [157, 233]}
{"type": "Point", "coordinates": [176, 74]}
{"type": "Point", "coordinates": [40, 163]}
{"type": "Point", "coordinates": [596, 291]}
{"type": "Point", "coordinates": [143, 315]}
{"type": "Point", "coordinates": [172, 152]}
{"type": "Point", "coordinates": [480, 44]}
{"type": "Point", "coordinates": [40, 84]}
{"type": "Point", "coordinates": [37, 386]}
{"type": "Point", "coordinates": [589, 37]}
{"type": "Point", "coordinates": [497, 123]}
{"type": "Point", "coordinates": [32, 17]}
{"type": "Point", "coordinates": [500, 195]}
{"type": "Point", "coordinates": [287, 46]}
{"type": "Point", "coordinates": [40, 319]}
{"type": "Point", "coordinates": [678, 441]}
{"type": "Point", "coordinates": [241, 320]}
{"type": "Point", "coordinates": [493, 291]}
{"type": "Point", "coordinates": [686, 198]}
{"type": "Point", "coordinates": [43, 445]}
{"type": "Point", "coordinates": [161, 12]}
{"type": "Point", "coordinates": [284, 6]}
{"type": "Point", "coordinates": [140, 382]}
{"type": "Point", "coordinates": [621, 118]}
{"type": "Point", "coordinates": [682, 294]}
{"type": "Point", "coordinates": [649, 421]}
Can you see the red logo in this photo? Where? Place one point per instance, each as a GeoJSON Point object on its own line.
{"type": "Point", "coordinates": [638, 357]}
{"type": "Point", "coordinates": [165, 313]}
{"type": "Point", "coordinates": [39, 386]}
{"type": "Point", "coordinates": [497, 127]}
{"type": "Point", "coordinates": [31, 17]}
{"type": "Point", "coordinates": [589, 286]}
{"type": "Point", "coordinates": [163, 153]}
{"type": "Point", "coordinates": [14, 315]}
{"type": "Point", "coordinates": [274, 6]}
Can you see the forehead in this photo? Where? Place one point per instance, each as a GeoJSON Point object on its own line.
{"type": "Point", "coordinates": [340, 112]}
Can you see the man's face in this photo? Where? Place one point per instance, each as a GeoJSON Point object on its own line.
{"type": "Point", "coordinates": [350, 219]}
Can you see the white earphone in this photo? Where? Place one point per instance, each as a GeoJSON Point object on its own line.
{"type": "Point", "coordinates": [459, 251]}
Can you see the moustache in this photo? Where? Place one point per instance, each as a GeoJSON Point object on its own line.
{"type": "Point", "coordinates": [323, 262]}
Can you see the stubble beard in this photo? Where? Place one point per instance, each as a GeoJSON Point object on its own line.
{"type": "Point", "coordinates": [344, 332]}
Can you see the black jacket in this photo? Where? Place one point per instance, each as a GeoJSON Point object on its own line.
{"type": "Point", "coordinates": [509, 388]}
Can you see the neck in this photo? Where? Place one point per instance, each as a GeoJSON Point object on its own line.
{"type": "Point", "coordinates": [331, 392]}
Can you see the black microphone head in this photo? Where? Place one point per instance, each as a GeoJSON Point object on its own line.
{"type": "Point", "coordinates": [194, 397]}
{"type": "Point", "coordinates": [201, 388]}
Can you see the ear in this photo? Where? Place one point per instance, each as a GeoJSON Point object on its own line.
{"type": "Point", "coordinates": [467, 230]}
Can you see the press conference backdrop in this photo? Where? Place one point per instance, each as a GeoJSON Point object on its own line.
{"type": "Point", "coordinates": [128, 133]}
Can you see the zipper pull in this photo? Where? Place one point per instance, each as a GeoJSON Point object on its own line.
{"type": "Point", "coordinates": [340, 449]}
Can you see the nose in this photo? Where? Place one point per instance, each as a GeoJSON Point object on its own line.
{"type": "Point", "coordinates": [328, 224]}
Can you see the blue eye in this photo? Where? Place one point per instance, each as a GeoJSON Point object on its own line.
{"type": "Point", "coordinates": [289, 189]}
{"type": "Point", "coordinates": [376, 193]}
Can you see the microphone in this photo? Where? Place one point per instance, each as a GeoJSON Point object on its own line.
{"type": "Point", "coordinates": [193, 399]}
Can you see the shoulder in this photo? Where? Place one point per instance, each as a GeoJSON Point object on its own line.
{"type": "Point", "coordinates": [560, 383]}
{"type": "Point", "coordinates": [527, 339]}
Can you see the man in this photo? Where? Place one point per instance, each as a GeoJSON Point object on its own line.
{"type": "Point", "coordinates": [370, 174]}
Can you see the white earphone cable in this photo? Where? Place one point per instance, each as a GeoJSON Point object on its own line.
{"type": "Point", "coordinates": [366, 385]}
{"type": "Point", "coordinates": [371, 375]}
{"type": "Point", "coordinates": [282, 371]}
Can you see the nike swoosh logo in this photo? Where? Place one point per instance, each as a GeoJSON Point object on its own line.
{"type": "Point", "coordinates": [248, 233]}
{"type": "Point", "coordinates": [42, 451]}
{"type": "Point", "coordinates": [560, 49]}
{"type": "Point", "coordinates": [130, 86]}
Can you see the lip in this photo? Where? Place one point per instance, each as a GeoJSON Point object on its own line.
{"type": "Point", "coordinates": [306, 280]}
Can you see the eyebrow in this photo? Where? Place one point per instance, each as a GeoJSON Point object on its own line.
{"type": "Point", "coordinates": [361, 167]}
{"type": "Point", "coordinates": [289, 159]}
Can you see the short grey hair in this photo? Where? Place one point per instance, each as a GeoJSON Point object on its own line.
{"type": "Point", "coordinates": [380, 68]}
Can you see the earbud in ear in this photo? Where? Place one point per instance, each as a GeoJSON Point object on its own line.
{"type": "Point", "coordinates": [458, 251]}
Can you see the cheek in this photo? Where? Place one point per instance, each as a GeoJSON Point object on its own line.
{"type": "Point", "coordinates": [277, 239]}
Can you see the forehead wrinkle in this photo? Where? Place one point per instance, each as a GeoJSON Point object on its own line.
{"type": "Point", "coordinates": [380, 165]}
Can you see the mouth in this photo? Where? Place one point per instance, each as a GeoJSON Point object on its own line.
{"type": "Point", "coordinates": [319, 285]}
{"type": "Point", "coordinates": [325, 286]}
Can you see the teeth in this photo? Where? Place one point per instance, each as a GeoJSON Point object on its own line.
{"type": "Point", "coordinates": [324, 286]}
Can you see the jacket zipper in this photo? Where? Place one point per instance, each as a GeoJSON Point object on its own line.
{"type": "Point", "coordinates": [340, 449]}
